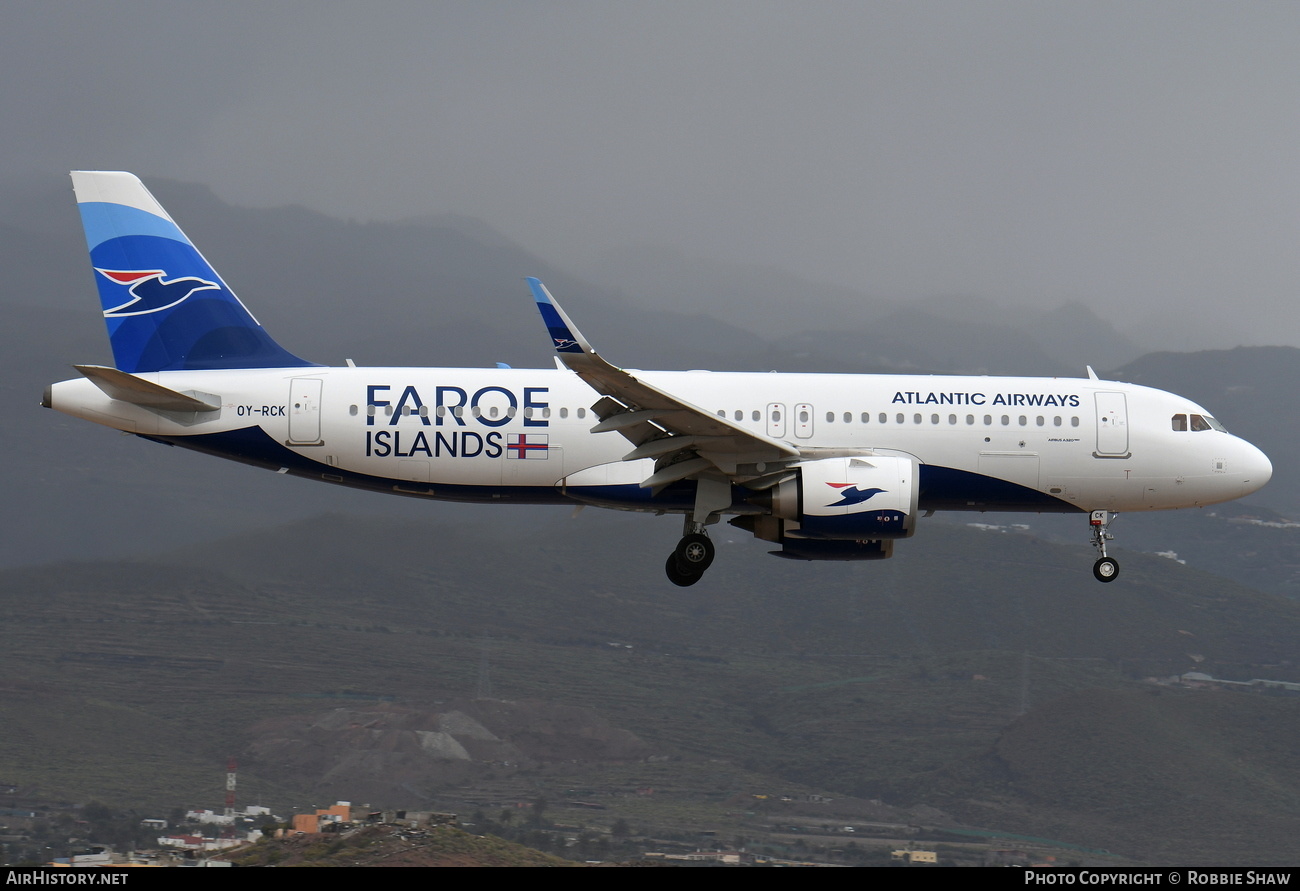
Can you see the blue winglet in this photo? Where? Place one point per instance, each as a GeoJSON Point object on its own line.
{"type": "Point", "coordinates": [564, 334]}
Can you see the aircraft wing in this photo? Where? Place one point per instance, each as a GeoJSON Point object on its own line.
{"type": "Point", "coordinates": [685, 440]}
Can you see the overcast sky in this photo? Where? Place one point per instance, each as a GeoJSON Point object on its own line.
{"type": "Point", "coordinates": [1141, 157]}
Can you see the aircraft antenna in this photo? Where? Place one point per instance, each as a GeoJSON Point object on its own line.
{"type": "Point", "coordinates": [231, 768]}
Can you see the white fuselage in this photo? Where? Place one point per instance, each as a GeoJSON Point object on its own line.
{"type": "Point", "coordinates": [524, 434]}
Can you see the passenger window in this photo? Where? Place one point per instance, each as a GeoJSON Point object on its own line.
{"type": "Point", "coordinates": [352, 409]}
{"type": "Point", "coordinates": [564, 412]}
{"type": "Point", "coordinates": [1041, 421]}
{"type": "Point", "coordinates": [1056, 421]}
{"type": "Point", "coordinates": [900, 417]}
{"type": "Point", "coordinates": [970, 420]}
{"type": "Point", "coordinates": [884, 418]}
{"type": "Point", "coordinates": [988, 420]}
{"type": "Point", "coordinates": [740, 415]}
{"type": "Point", "coordinates": [866, 417]}
{"type": "Point", "coordinates": [848, 417]}
{"type": "Point", "coordinates": [934, 419]}
{"type": "Point", "coordinates": [1074, 421]}
{"type": "Point", "coordinates": [582, 412]}
{"type": "Point", "coordinates": [1180, 423]}
{"type": "Point", "coordinates": [756, 416]}
{"type": "Point", "coordinates": [830, 417]}
{"type": "Point", "coordinates": [916, 418]}
{"type": "Point", "coordinates": [1006, 419]}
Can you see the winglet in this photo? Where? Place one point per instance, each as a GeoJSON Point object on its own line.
{"type": "Point", "coordinates": [564, 334]}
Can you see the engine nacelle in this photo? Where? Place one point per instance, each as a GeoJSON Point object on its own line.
{"type": "Point", "coordinates": [807, 549]}
{"type": "Point", "coordinates": [849, 499]}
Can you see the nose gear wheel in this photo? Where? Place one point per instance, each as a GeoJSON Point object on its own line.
{"type": "Point", "coordinates": [1105, 569]}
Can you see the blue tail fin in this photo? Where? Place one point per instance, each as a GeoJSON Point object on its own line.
{"type": "Point", "coordinates": [166, 308]}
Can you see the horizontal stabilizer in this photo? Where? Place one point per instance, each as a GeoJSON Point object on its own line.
{"type": "Point", "coordinates": [138, 391]}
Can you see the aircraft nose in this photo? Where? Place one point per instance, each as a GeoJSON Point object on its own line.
{"type": "Point", "coordinates": [1256, 468]}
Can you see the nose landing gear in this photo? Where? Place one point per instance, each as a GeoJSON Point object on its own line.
{"type": "Point", "coordinates": [1106, 569]}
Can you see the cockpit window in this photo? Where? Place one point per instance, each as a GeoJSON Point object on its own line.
{"type": "Point", "coordinates": [1205, 422]}
{"type": "Point", "coordinates": [1180, 422]}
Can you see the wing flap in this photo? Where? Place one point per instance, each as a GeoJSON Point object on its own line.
{"type": "Point", "coordinates": [668, 444]}
{"type": "Point", "coordinates": [678, 471]}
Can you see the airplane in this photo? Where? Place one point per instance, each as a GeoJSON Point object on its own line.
{"type": "Point", "coordinates": [825, 466]}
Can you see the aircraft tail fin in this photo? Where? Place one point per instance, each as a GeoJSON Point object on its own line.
{"type": "Point", "coordinates": [165, 306]}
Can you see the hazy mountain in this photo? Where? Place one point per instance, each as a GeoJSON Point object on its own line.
{"type": "Point", "coordinates": [1073, 334]}
{"type": "Point", "coordinates": [969, 675]}
{"type": "Point", "coordinates": [766, 301]}
{"type": "Point", "coordinates": [910, 340]}
{"type": "Point", "coordinates": [831, 328]}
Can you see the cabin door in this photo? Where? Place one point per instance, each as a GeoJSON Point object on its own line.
{"type": "Point", "coordinates": [304, 411]}
{"type": "Point", "coordinates": [1112, 426]}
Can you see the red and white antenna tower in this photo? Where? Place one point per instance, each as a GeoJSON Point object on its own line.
{"type": "Point", "coordinates": [230, 787]}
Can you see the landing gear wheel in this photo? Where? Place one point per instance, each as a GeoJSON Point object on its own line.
{"type": "Point", "coordinates": [694, 553]}
{"type": "Point", "coordinates": [1106, 569]}
{"type": "Point", "coordinates": [676, 576]}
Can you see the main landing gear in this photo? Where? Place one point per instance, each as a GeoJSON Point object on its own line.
{"type": "Point", "coordinates": [693, 555]}
{"type": "Point", "coordinates": [1106, 569]}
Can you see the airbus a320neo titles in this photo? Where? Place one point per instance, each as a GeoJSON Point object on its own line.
{"type": "Point", "coordinates": [824, 466]}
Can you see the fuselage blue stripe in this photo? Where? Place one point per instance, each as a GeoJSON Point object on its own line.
{"type": "Point", "coordinates": [941, 488]}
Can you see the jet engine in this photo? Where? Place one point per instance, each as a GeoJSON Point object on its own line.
{"type": "Point", "coordinates": [848, 508]}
